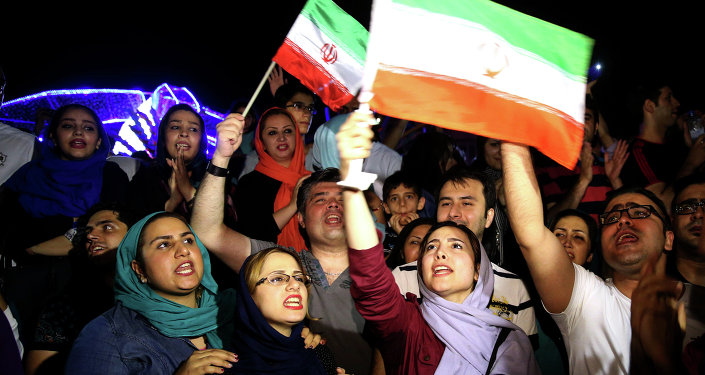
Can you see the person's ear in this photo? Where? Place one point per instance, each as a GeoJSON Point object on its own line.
{"type": "Point", "coordinates": [138, 270]}
{"type": "Point", "coordinates": [97, 145]}
{"type": "Point", "coordinates": [490, 217]}
{"type": "Point", "coordinates": [386, 208]}
{"type": "Point", "coordinates": [300, 219]}
{"type": "Point", "coordinates": [421, 204]}
{"type": "Point", "coordinates": [589, 258]}
{"type": "Point", "coordinates": [668, 245]}
{"type": "Point", "coordinates": [649, 106]}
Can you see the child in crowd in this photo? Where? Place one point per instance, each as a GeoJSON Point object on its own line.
{"type": "Point", "coordinates": [403, 203]}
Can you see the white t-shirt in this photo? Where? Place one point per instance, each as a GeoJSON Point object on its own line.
{"type": "Point", "coordinates": [510, 299]}
{"type": "Point", "coordinates": [16, 149]}
{"type": "Point", "coordinates": [596, 326]}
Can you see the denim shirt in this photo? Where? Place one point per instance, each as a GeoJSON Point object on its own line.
{"type": "Point", "coordinates": [121, 341]}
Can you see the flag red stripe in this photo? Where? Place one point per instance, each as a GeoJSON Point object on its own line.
{"type": "Point", "coordinates": [313, 75]}
{"type": "Point", "coordinates": [475, 109]}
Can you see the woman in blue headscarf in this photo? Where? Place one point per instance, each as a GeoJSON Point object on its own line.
{"type": "Point", "coordinates": [272, 303]}
{"type": "Point", "coordinates": [44, 198]}
{"type": "Point", "coordinates": [169, 317]}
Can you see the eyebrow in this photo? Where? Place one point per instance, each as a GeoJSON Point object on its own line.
{"type": "Point", "coordinates": [169, 236]}
{"type": "Point", "coordinates": [629, 204]}
{"type": "Point", "coordinates": [451, 239]}
{"type": "Point", "coordinates": [75, 120]}
{"type": "Point", "coordinates": [574, 230]}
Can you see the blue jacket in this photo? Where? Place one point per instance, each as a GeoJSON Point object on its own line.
{"type": "Point", "coordinates": [120, 341]}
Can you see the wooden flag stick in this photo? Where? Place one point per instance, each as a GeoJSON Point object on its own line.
{"type": "Point", "coordinates": [259, 88]}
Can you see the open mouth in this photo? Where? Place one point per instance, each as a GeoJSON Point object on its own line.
{"type": "Point", "coordinates": [333, 219]}
{"type": "Point", "coordinates": [96, 249]}
{"type": "Point", "coordinates": [293, 302]}
{"type": "Point", "coordinates": [626, 237]}
{"type": "Point", "coordinates": [77, 143]}
{"type": "Point", "coordinates": [282, 147]}
{"type": "Point", "coordinates": [185, 269]}
{"type": "Point", "coordinates": [441, 270]}
{"type": "Point", "coordinates": [184, 146]}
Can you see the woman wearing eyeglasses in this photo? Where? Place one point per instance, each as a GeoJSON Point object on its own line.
{"type": "Point", "coordinates": [265, 199]}
{"type": "Point", "coordinates": [272, 303]}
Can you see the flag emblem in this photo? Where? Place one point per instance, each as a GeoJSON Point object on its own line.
{"type": "Point", "coordinates": [329, 53]}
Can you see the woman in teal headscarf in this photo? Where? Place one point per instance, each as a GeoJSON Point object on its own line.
{"type": "Point", "coordinates": [169, 317]}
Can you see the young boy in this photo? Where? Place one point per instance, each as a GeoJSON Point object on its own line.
{"type": "Point", "coordinates": [402, 203]}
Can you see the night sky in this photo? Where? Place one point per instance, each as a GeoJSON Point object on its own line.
{"type": "Point", "coordinates": [220, 52]}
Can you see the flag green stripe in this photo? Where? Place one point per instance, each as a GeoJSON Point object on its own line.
{"type": "Point", "coordinates": [568, 50]}
{"type": "Point", "coordinates": [339, 26]}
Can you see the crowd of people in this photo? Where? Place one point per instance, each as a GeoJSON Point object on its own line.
{"type": "Point", "coordinates": [263, 258]}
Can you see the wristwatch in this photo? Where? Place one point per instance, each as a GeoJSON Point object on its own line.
{"type": "Point", "coordinates": [216, 170]}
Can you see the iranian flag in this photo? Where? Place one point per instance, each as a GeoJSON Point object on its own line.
{"type": "Point", "coordinates": [325, 50]}
{"type": "Point", "coordinates": [479, 67]}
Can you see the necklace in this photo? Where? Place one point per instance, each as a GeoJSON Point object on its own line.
{"type": "Point", "coordinates": [332, 273]}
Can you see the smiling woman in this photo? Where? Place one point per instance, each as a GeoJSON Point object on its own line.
{"type": "Point", "coordinates": [265, 200]}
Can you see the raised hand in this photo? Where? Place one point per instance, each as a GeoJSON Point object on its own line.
{"type": "Point", "coordinates": [658, 321]}
{"type": "Point", "coordinates": [229, 136]}
{"type": "Point", "coordinates": [614, 164]}
{"type": "Point", "coordinates": [276, 79]}
{"type": "Point", "coordinates": [354, 139]}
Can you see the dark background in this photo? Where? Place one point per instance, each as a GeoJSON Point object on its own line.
{"type": "Point", "coordinates": [220, 51]}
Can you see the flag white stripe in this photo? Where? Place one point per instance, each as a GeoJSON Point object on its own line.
{"type": "Point", "coordinates": [473, 49]}
{"type": "Point", "coordinates": [310, 38]}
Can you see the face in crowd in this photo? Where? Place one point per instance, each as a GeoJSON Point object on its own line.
{"type": "Point", "coordinates": [633, 230]}
{"type": "Point", "coordinates": [171, 262]}
{"type": "Point", "coordinates": [183, 134]}
{"type": "Point", "coordinates": [104, 232]}
{"type": "Point", "coordinates": [278, 285]}
{"type": "Point", "coordinates": [464, 204]}
{"type": "Point", "coordinates": [574, 235]}
{"type": "Point", "coordinates": [77, 134]}
{"type": "Point", "coordinates": [688, 212]}
{"type": "Point", "coordinates": [278, 134]}
{"type": "Point", "coordinates": [450, 263]}
{"type": "Point", "coordinates": [322, 215]}
{"type": "Point", "coordinates": [301, 108]}
{"type": "Point", "coordinates": [403, 201]}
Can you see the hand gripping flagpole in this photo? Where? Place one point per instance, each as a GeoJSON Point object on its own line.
{"type": "Point", "coordinates": [356, 178]}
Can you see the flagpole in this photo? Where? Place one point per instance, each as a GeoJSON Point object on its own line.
{"type": "Point", "coordinates": [259, 88]}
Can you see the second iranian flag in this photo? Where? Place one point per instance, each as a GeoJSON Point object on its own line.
{"type": "Point", "coordinates": [477, 66]}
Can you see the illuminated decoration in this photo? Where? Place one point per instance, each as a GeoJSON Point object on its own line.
{"type": "Point", "coordinates": [130, 117]}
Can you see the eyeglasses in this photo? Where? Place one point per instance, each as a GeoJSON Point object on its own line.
{"type": "Point", "coordinates": [634, 212]}
{"type": "Point", "coordinates": [301, 106]}
{"type": "Point", "coordinates": [688, 208]}
{"type": "Point", "coordinates": [278, 279]}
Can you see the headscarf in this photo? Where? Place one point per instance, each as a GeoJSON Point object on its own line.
{"type": "Point", "coordinates": [289, 235]}
{"type": "Point", "coordinates": [468, 330]}
{"type": "Point", "coordinates": [50, 186]}
{"type": "Point", "coordinates": [261, 348]}
{"type": "Point", "coordinates": [170, 318]}
{"type": "Point", "coordinates": [198, 165]}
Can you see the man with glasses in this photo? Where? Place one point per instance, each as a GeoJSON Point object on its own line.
{"type": "Point", "coordinates": [687, 262]}
{"type": "Point", "coordinates": [593, 314]}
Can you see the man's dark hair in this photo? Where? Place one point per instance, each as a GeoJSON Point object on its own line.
{"type": "Point", "coordinates": [124, 214]}
{"type": "Point", "coordinates": [459, 175]}
{"type": "Point", "coordinates": [660, 206]}
{"type": "Point", "coordinates": [397, 179]}
{"type": "Point", "coordinates": [684, 182]}
{"type": "Point", "coordinates": [323, 175]}
{"type": "Point", "coordinates": [288, 90]}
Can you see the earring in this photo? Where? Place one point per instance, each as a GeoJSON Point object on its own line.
{"type": "Point", "coordinates": [143, 280]}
